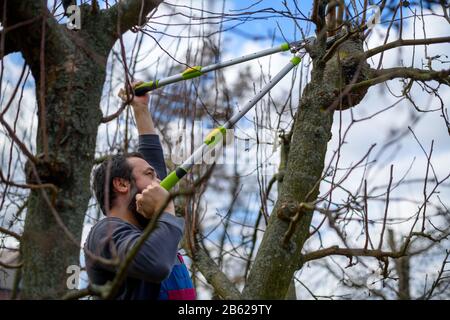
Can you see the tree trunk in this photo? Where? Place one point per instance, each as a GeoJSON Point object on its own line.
{"type": "Point", "coordinates": [73, 89]}
{"type": "Point", "coordinates": [275, 264]}
{"type": "Point", "coordinates": [69, 69]}
{"type": "Point", "coordinates": [312, 131]}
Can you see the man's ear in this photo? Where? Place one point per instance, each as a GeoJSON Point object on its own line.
{"type": "Point", "coordinates": [121, 185]}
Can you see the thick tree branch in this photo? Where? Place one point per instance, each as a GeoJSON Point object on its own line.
{"type": "Point", "coordinates": [403, 43]}
{"type": "Point", "coordinates": [441, 76]}
{"type": "Point", "coordinates": [67, 3]}
{"type": "Point", "coordinates": [315, 12]}
{"type": "Point", "coordinates": [349, 252]}
{"type": "Point", "coordinates": [340, 13]}
{"type": "Point", "coordinates": [23, 28]}
{"type": "Point", "coordinates": [383, 75]}
{"type": "Point", "coordinates": [215, 277]}
{"type": "Point", "coordinates": [318, 15]}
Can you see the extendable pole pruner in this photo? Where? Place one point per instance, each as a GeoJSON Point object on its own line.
{"type": "Point", "coordinates": [216, 135]}
{"type": "Point", "coordinates": [198, 71]}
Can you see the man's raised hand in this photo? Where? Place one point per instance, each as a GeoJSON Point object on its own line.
{"type": "Point", "coordinates": [138, 103]}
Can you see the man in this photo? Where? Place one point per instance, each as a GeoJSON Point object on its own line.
{"type": "Point", "coordinates": [128, 192]}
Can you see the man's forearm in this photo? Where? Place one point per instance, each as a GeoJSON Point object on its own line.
{"type": "Point", "coordinates": [144, 121]}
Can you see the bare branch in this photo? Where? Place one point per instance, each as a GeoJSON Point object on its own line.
{"type": "Point", "coordinates": [404, 43]}
{"type": "Point", "coordinates": [129, 13]}
{"type": "Point", "coordinates": [210, 270]}
{"type": "Point", "coordinates": [10, 233]}
{"type": "Point", "coordinates": [383, 75]}
{"type": "Point", "coordinates": [350, 252]}
{"type": "Point", "coordinates": [11, 266]}
{"type": "Point", "coordinates": [27, 17]}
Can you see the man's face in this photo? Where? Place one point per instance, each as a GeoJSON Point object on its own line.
{"type": "Point", "coordinates": [143, 173]}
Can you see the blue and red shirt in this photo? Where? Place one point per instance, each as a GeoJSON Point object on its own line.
{"type": "Point", "coordinates": [179, 284]}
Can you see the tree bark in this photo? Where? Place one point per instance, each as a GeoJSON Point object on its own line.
{"type": "Point", "coordinates": [72, 97]}
{"type": "Point", "coordinates": [73, 85]}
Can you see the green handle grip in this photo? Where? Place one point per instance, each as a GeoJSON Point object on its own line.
{"type": "Point", "coordinates": [191, 73]}
{"type": "Point", "coordinates": [145, 87]}
{"type": "Point", "coordinates": [172, 179]}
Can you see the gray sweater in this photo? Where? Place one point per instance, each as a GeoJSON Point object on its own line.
{"type": "Point", "coordinates": [155, 259]}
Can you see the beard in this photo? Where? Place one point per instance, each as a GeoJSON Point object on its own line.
{"type": "Point", "coordinates": [143, 221]}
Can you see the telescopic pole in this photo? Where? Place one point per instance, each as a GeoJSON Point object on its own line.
{"type": "Point", "coordinates": [198, 71]}
{"type": "Point", "coordinates": [216, 135]}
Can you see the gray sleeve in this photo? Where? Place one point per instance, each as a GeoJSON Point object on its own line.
{"type": "Point", "coordinates": [151, 149]}
{"type": "Point", "coordinates": [155, 259]}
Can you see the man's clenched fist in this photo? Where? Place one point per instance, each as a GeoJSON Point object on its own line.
{"type": "Point", "coordinates": [152, 199]}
